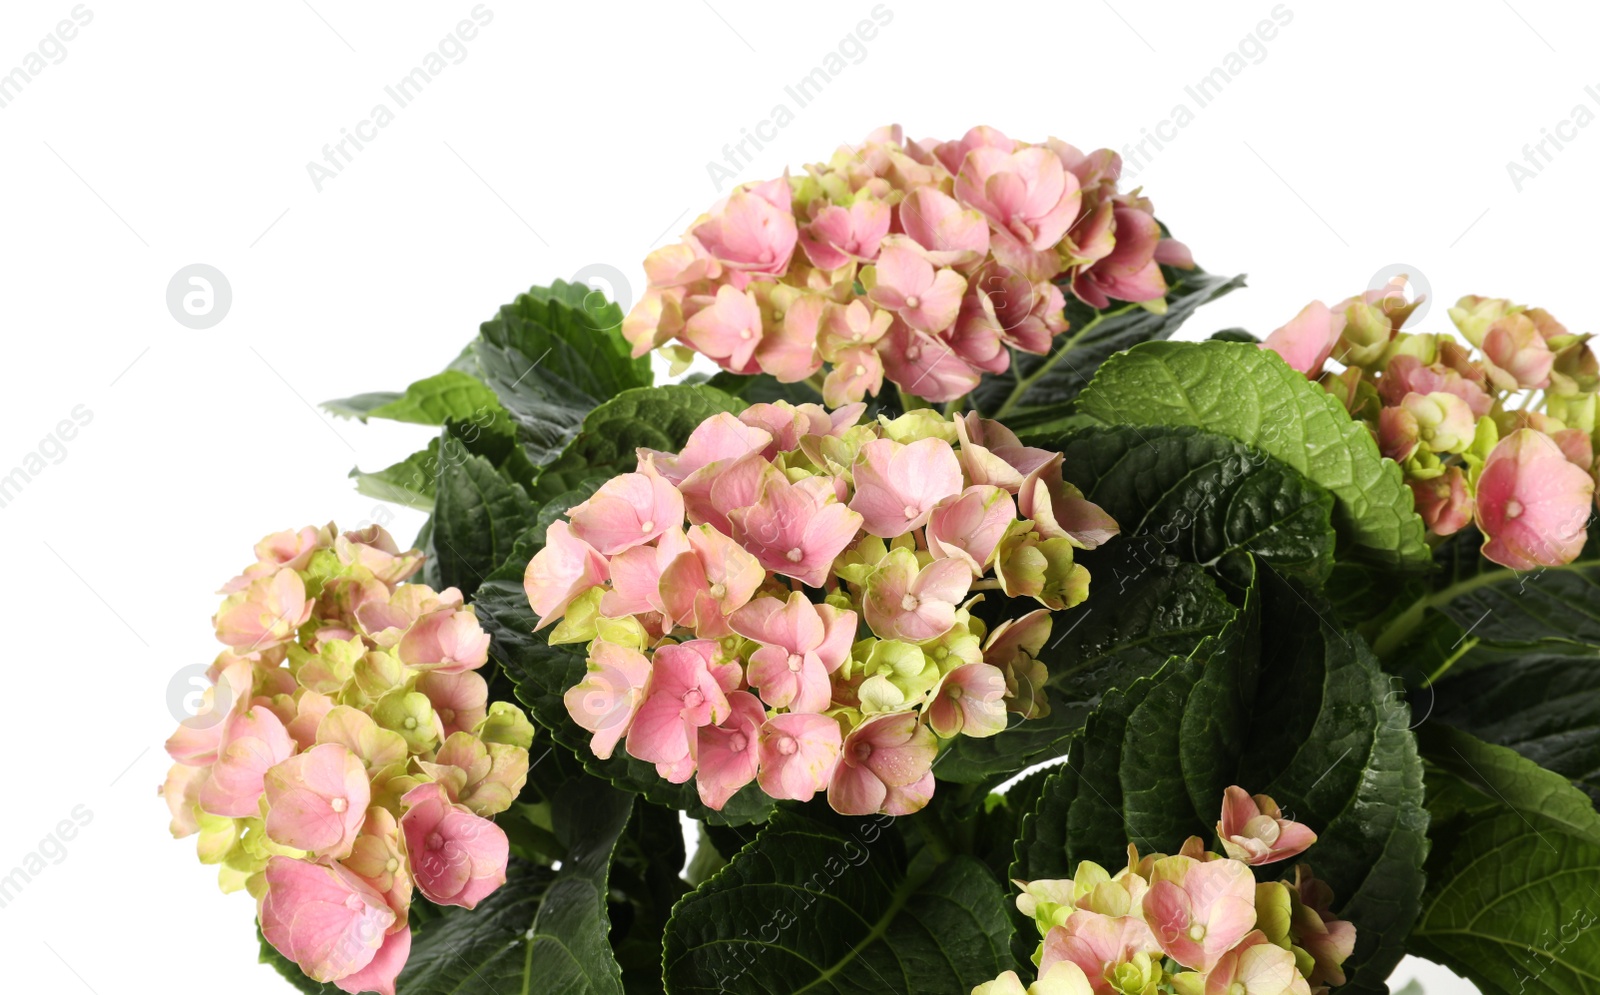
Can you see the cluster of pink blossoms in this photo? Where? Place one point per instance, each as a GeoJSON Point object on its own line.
{"type": "Point", "coordinates": [1195, 923]}
{"type": "Point", "coordinates": [346, 752]}
{"type": "Point", "coordinates": [1501, 434]}
{"type": "Point", "coordinates": [708, 654]}
{"type": "Point", "coordinates": [920, 261]}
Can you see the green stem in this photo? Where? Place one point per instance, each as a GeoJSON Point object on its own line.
{"type": "Point", "coordinates": [910, 402]}
{"type": "Point", "coordinates": [1024, 383]}
{"type": "Point", "coordinates": [1466, 647]}
{"type": "Point", "coordinates": [957, 406]}
{"type": "Point", "coordinates": [1405, 624]}
{"type": "Point", "coordinates": [815, 381]}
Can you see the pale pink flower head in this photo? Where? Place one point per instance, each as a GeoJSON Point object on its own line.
{"type": "Point", "coordinates": [265, 614]}
{"type": "Point", "coordinates": [969, 526]}
{"type": "Point", "coordinates": [1256, 966]}
{"type": "Point", "coordinates": [317, 800]}
{"type": "Point", "coordinates": [1532, 503]}
{"type": "Point", "coordinates": [457, 858]}
{"type": "Point", "coordinates": [796, 529]}
{"type": "Point", "coordinates": [798, 753]}
{"type": "Point", "coordinates": [1306, 342]}
{"type": "Point", "coordinates": [1096, 943]}
{"type": "Point", "coordinates": [905, 282]}
{"type": "Point", "coordinates": [905, 600]}
{"type": "Point", "coordinates": [841, 235]}
{"type": "Point", "coordinates": [801, 644]}
{"type": "Point", "coordinates": [753, 230]}
{"type": "Point", "coordinates": [898, 486]}
{"type": "Point", "coordinates": [970, 701]}
{"type": "Point", "coordinates": [1444, 502]}
{"type": "Point", "coordinates": [1028, 197]}
{"type": "Point", "coordinates": [1515, 354]}
{"type": "Point", "coordinates": [1060, 511]}
{"type": "Point", "coordinates": [255, 741]}
{"type": "Point", "coordinates": [324, 918]}
{"type": "Point", "coordinates": [715, 442]}
{"type": "Point", "coordinates": [1253, 829]}
{"type": "Point", "coordinates": [925, 365]}
{"type": "Point", "coordinates": [628, 510]}
{"type": "Point", "coordinates": [884, 766]}
{"type": "Point", "coordinates": [949, 234]}
{"type": "Point", "coordinates": [715, 577]}
{"type": "Point", "coordinates": [449, 641]}
{"type": "Point", "coordinates": [609, 695]}
{"type": "Point", "coordinates": [683, 694]}
{"type": "Point", "coordinates": [1199, 910]}
{"type": "Point", "coordinates": [565, 568]}
{"type": "Point", "coordinates": [1131, 271]}
{"type": "Point", "coordinates": [728, 755]}
{"type": "Point", "coordinates": [726, 328]}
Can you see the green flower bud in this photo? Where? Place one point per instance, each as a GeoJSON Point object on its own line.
{"type": "Point", "coordinates": [918, 424]}
{"type": "Point", "coordinates": [1365, 336]}
{"type": "Point", "coordinates": [1574, 410]}
{"type": "Point", "coordinates": [329, 669]}
{"type": "Point", "coordinates": [506, 724]}
{"type": "Point", "coordinates": [1274, 912]}
{"type": "Point", "coordinates": [375, 675]}
{"type": "Point", "coordinates": [410, 714]}
{"type": "Point", "coordinates": [580, 623]}
{"type": "Point", "coordinates": [1473, 315]}
{"type": "Point", "coordinates": [898, 675]}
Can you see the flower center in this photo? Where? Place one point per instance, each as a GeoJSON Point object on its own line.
{"type": "Point", "coordinates": [912, 352]}
{"type": "Point", "coordinates": [435, 841]}
{"type": "Point", "coordinates": [862, 751]}
{"type": "Point", "coordinates": [910, 603]}
{"type": "Point", "coordinates": [737, 742]}
{"type": "Point", "coordinates": [953, 691]}
{"type": "Point", "coordinates": [1197, 932]}
{"type": "Point", "coordinates": [693, 698]}
{"type": "Point", "coordinates": [861, 371]}
{"type": "Point", "coordinates": [447, 715]}
{"type": "Point", "coordinates": [647, 525]}
{"type": "Point", "coordinates": [719, 591]}
{"type": "Point", "coordinates": [410, 722]}
{"type": "Point", "coordinates": [338, 804]}
{"type": "Point", "coordinates": [786, 745]}
{"type": "Point", "coordinates": [392, 865]}
{"type": "Point", "coordinates": [911, 511]}
{"type": "Point", "coordinates": [354, 903]}
{"type": "Point", "coordinates": [745, 333]}
{"type": "Point", "coordinates": [1513, 508]}
{"type": "Point", "coordinates": [795, 660]}
{"type": "Point", "coordinates": [795, 555]}
{"type": "Point", "coordinates": [913, 301]}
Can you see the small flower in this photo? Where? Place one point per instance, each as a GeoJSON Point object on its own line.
{"type": "Point", "coordinates": [1532, 503]}
{"type": "Point", "coordinates": [905, 282]}
{"type": "Point", "coordinates": [325, 919]}
{"type": "Point", "coordinates": [1097, 944]}
{"type": "Point", "coordinates": [1198, 910]}
{"type": "Point", "coordinates": [796, 529]}
{"type": "Point", "coordinates": [1515, 355]}
{"type": "Point", "coordinates": [898, 486]}
{"type": "Point", "coordinates": [265, 614]}
{"type": "Point", "coordinates": [1061, 979]}
{"type": "Point", "coordinates": [1256, 967]}
{"type": "Point", "coordinates": [609, 695]}
{"type": "Point", "coordinates": [841, 235]}
{"type": "Point", "coordinates": [628, 510]}
{"type": "Point", "coordinates": [949, 234]}
{"type": "Point", "coordinates": [753, 230]}
{"type": "Point", "coordinates": [1028, 197]}
{"type": "Point", "coordinates": [798, 753]}
{"type": "Point", "coordinates": [682, 695]}
{"type": "Point", "coordinates": [565, 568]}
{"type": "Point", "coordinates": [884, 767]}
{"type": "Point", "coordinates": [969, 526]}
{"type": "Point", "coordinates": [449, 641]}
{"type": "Point", "coordinates": [906, 600]}
{"type": "Point", "coordinates": [1306, 342]}
{"type": "Point", "coordinates": [701, 587]}
{"type": "Point", "coordinates": [457, 858]}
{"type": "Point", "coordinates": [1252, 829]}
{"type": "Point", "coordinates": [1060, 511]}
{"type": "Point", "coordinates": [969, 701]}
{"type": "Point", "coordinates": [801, 644]}
{"type": "Point", "coordinates": [728, 754]}
{"type": "Point", "coordinates": [255, 742]}
{"type": "Point", "coordinates": [317, 800]}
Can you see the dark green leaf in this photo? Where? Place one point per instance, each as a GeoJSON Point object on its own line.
{"type": "Point", "coordinates": [1546, 706]}
{"type": "Point", "coordinates": [1208, 499]}
{"type": "Point", "coordinates": [448, 396]}
{"type": "Point", "coordinates": [835, 908]}
{"type": "Point", "coordinates": [551, 358]}
{"type": "Point", "coordinates": [410, 482]}
{"type": "Point", "coordinates": [1143, 607]}
{"type": "Point", "coordinates": [1251, 395]}
{"type": "Point", "coordinates": [1514, 875]}
{"type": "Point", "coordinates": [478, 515]}
{"type": "Point", "coordinates": [764, 387]}
{"type": "Point", "coordinates": [1035, 388]}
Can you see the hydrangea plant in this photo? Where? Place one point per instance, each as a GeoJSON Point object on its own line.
{"type": "Point", "coordinates": [953, 686]}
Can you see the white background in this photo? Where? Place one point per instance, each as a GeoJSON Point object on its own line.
{"type": "Point", "coordinates": [1370, 134]}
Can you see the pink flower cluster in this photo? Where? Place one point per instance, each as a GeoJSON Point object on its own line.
{"type": "Point", "coordinates": [925, 262]}
{"type": "Point", "coordinates": [347, 752]}
{"type": "Point", "coordinates": [1195, 923]}
{"type": "Point", "coordinates": [1501, 434]}
{"type": "Point", "coordinates": [809, 627]}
